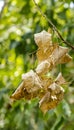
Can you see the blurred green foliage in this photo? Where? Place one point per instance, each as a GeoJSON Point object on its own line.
{"type": "Point", "coordinates": [19, 20]}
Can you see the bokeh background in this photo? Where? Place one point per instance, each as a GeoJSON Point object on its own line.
{"type": "Point", "coordinates": [19, 21]}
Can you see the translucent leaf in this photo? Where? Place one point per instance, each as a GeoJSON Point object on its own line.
{"type": "Point", "coordinates": [35, 83]}
{"type": "Point", "coordinates": [43, 67]}
{"type": "Point", "coordinates": [60, 79]}
{"type": "Point", "coordinates": [46, 82]}
{"type": "Point", "coordinates": [32, 82]}
{"type": "Point", "coordinates": [19, 93]}
{"type": "Point", "coordinates": [43, 40]}
{"type": "Point", "coordinates": [29, 87]}
{"type": "Point", "coordinates": [44, 102]}
{"type": "Point", "coordinates": [55, 88]}
{"type": "Point", "coordinates": [51, 99]}
{"type": "Point", "coordinates": [43, 55]}
{"type": "Point", "coordinates": [66, 58]}
{"type": "Point", "coordinates": [57, 54]}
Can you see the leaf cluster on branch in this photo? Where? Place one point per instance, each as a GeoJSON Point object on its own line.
{"type": "Point", "coordinates": [37, 83]}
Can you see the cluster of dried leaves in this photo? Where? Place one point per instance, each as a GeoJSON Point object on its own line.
{"type": "Point", "coordinates": [36, 83]}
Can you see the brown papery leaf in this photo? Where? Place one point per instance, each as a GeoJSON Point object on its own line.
{"type": "Point", "coordinates": [36, 83]}
{"type": "Point", "coordinates": [60, 79]}
{"type": "Point", "coordinates": [43, 40]}
{"type": "Point", "coordinates": [43, 67]}
{"type": "Point", "coordinates": [44, 55]}
{"type": "Point", "coordinates": [29, 88]}
{"type": "Point", "coordinates": [46, 81]}
{"type": "Point", "coordinates": [51, 99]}
{"type": "Point", "coordinates": [19, 93]}
{"type": "Point", "coordinates": [32, 82]}
{"type": "Point", "coordinates": [55, 89]}
{"type": "Point", "coordinates": [44, 102]}
{"type": "Point", "coordinates": [57, 54]}
{"type": "Point", "coordinates": [66, 58]}
{"type": "Point", "coordinates": [53, 59]}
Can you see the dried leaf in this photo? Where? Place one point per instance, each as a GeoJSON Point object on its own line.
{"type": "Point", "coordinates": [44, 55]}
{"type": "Point", "coordinates": [44, 102]}
{"type": "Point", "coordinates": [66, 58]}
{"type": "Point", "coordinates": [36, 84]}
{"type": "Point", "coordinates": [60, 79]}
{"type": "Point", "coordinates": [46, 81]}
{"type": "Point", "coordinates": [29, 88]}
{"type": "Point", "coordinates": [43, 40]}
{"type": "Point", "coordinates": [48, 64]}
{"type": "Point", "coordinates": [57, 54]}
{"type": "Point", "coordinates": [19, 93]}
{"type": "Point", "coordinates": [43, 67]}
{"type": "Point", "coordinates": [55, 89]}
{"type": "Point", "coordinates": [32, 82]}
{"type": "Point", "coordinates": [51, 99]}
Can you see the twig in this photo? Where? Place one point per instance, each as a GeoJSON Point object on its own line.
{"type": "Point", "coordinates": [33, 52]}
{"type": "Point", "coordinates": [53, 26]}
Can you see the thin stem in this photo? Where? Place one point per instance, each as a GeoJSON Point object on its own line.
{"type": "Point", "coordinates": [53, 26]}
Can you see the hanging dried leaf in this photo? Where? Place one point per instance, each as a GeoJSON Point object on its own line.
{"type": "Point", "coordinates": [45, 83]}
{"type": "Point", "coordinates": [43, 67]}
{"type": "Point", "coordinates": [60, 79]}
{"type": "Point", "coordinates": [57, 54]}
{"type": "Point", "coordinates": [55, 89]}
{"type": "Point", "coordinates": [44, 102]}
{"type": "Point", "coordinates": [54, 58]}
{"type": "Point", "coordinates": [32, 82]}
{"type": "Point", "coordinates": [66, 58]}
{"type": "Point", "coordinates": [42, 55]}
{"type": "Point", "coordinates": [43, 40]}
{"type": "Point", "coordinates": [19, 93]}
{"type": "Point", "coordinates": [36, 84]}
{"type": "Point", "coordinates": [51, 99]}
{"type": "Point", "coordinates": [29, 88]}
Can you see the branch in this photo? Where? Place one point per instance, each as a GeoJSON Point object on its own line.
{"type": "Point", "coordinates": [53, 26]}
